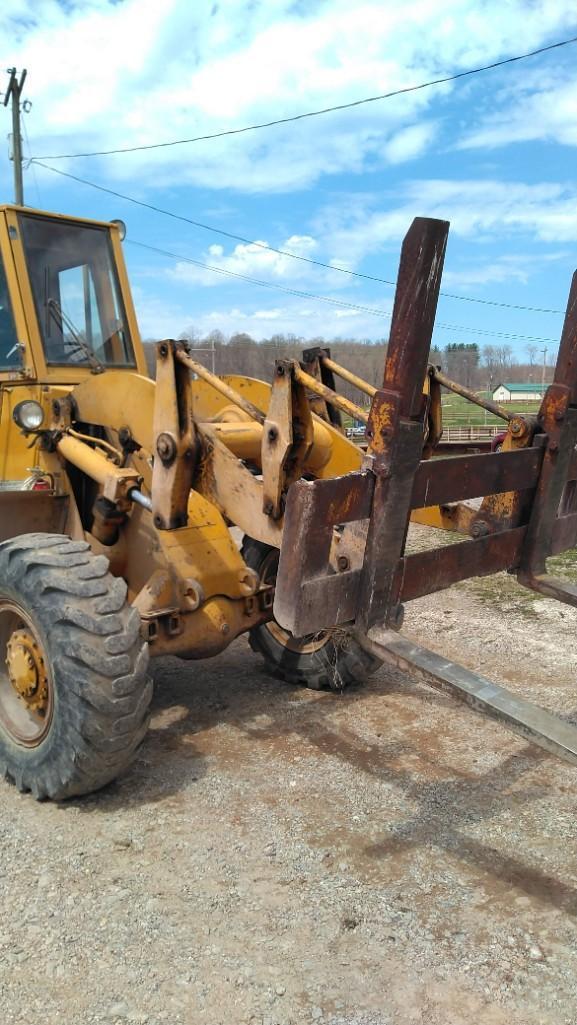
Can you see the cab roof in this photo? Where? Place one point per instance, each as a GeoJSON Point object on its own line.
{"type": "Point", "coordinates": [4, 207]}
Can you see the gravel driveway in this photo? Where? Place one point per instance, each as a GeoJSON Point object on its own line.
{"type": "Point", "coordinates": [278, 856]}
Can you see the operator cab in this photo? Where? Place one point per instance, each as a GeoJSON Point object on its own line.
{"type": "Point", "coordinates": [74, 298]}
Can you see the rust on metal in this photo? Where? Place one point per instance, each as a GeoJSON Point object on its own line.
{"type": "Point", "coordinates": [558, 421]}
{"type": "Point", "coordinates": [434, 570]}
{"type": "Point", "coordinates": [396, 422]}
{"type": "Point", "coordinates": [314, 364]}
{"type": "Point", "coordinates": [441, 481]}
{"type": "Point", "coordinates": [330, 396]}
{"type": "Point", "coordinates": [312, 511]}
{"type": "Point", "coordinates": [287, 437]}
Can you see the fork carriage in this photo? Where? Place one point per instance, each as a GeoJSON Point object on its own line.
{"type": "Point", "coordinates": [528, 512]}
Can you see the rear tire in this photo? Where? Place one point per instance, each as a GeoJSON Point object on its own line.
{"type": "Point", "coordinates": [74, 689]}
{"type": "Point", "coordinates": [331, 659]}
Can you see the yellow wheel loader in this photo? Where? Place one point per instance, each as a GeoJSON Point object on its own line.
{"type": "Point", "coordinates": [123, 501]}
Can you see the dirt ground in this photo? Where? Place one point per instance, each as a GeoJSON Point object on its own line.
{"type": "Point", "coordinates": [278, 856]}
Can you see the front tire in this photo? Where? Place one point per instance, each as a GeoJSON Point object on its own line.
{"type": "Point", "coordinates": [74, 689]}
{"type": "Point", "coordinates": [331, 659]}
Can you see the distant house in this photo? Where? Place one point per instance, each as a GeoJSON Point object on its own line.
{"type": "Point", "coordinates": [514, 392]}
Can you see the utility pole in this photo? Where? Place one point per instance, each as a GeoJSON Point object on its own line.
{"type": "Point", "coordinates": [13, 93]}
{"type": "Point", "coordinates": [544, 351]}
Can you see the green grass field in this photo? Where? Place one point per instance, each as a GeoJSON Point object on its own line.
{"type": "Point", "coordinates": [457, 412]}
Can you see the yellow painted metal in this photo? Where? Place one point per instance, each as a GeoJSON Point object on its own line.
{"type": "Point", "coordinates": [244, 440]}
{"type": "Point", "coordinates": [17, 453]}
{"type": "Point", "coordinates": [115, 401]}
{"type": "Point", "coordinates": [27, 671]}
{"type": "Point", "coordinates": [141, 366]}
{"type": "Point", "coordinates": [219, 384]}
{"type": "Point", "coordinates": [457, 516]}
{"type": "Point", "coordinates": [19, 285]}
{"type": "Point", "coordinates": [344, 455]}
{"type": "Point", "coordinates": [115, 480]}
{"type": "Point", "coordinates": [241, 438]}
{"type": "Point", "coordinates": [20, 312]}
{"type": "Point", "coordinates": [233, 489]}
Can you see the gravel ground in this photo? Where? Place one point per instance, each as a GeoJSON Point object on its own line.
{"type": "Point", "coordinates": [278, 856]}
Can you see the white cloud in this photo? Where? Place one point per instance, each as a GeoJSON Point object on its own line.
{"type": "Point", "coordinates": [519, 267]}
{"type": "Point", "coordinates": [409, 142]}
{"type": "Point", "coordinates": [479, 210]}
{"type": "Point", "coordinates": [543, 106]}
{"type": "Point", "coordinates": [252, 260]}
{"type": "Point", "coordinates": [105, 74]}
{"type": "Point", "coordinates": [267, 314]}
{"type": "Point", "coordinates": [299, 317]}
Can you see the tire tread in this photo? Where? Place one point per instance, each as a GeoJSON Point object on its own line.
{"type": "Point", "coordinates": [99, 667]}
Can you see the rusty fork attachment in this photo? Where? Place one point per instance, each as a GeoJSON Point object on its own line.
{"type": "Point", "coordinates": [528, 512]}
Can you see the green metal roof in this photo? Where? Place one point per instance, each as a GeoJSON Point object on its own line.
{"type": "Point", "coordinates": [530, 386]}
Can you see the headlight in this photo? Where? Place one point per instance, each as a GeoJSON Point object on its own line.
{"type": "Point", "coordinates": [29, 415]}
{"type": "Point", "coordinates": [121, 227]}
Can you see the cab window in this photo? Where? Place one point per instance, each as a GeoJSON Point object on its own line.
{"type": "Point", "coordinates": [76, 293]}
{"type": "Point", "coordinates": [10, 357]}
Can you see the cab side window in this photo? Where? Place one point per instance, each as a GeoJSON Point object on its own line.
{"type": "Point", "coordinates": [9, 351]}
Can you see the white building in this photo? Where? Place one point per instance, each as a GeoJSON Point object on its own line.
{"type": "Point", "coordinates": [514, 392]}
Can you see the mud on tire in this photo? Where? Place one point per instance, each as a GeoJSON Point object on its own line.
{"type": "Point", "coordinates": [331, 659]}
{"type": "Point", "coordinates": [95, 660]}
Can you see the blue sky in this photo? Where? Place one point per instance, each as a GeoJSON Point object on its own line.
{"type": "Point", "coordinates": [494, 154]}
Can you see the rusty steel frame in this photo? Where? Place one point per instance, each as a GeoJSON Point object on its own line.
{"type": "Point", "coordinates": [530, 496]}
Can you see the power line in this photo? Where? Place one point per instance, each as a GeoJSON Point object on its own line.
{"type": "Point", "coordinates": [372, 310]}
{"type": "Point", "coordinates": [264, 284]}
{"type": "Point", "coordinates": [272, 249]}
{"type": "Point", "coordinates": [316, 113]}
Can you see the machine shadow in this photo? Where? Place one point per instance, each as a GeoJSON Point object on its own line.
{"type": "Point", "coordinates": [192, 698]}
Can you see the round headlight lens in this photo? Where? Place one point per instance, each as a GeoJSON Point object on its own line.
{"type": "Point", "coordinates": [121, 227]}
{"type": "Point", "coordinates": [29, 415]}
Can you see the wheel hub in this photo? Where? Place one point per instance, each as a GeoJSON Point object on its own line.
{"type": "Point", "coordinates": [27, 671]}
